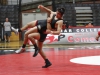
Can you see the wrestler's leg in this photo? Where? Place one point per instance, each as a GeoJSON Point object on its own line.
{"type": "Point", "coordinates": [28, 25]}
{"type": "Point", "coordinates": [32, 30]}
{"type": "Point", "coordinates": [32, 38]}
{"type": "Point", "coordinates": [36, 36]}
{"type": "Point", "coordinates": [47, 62]}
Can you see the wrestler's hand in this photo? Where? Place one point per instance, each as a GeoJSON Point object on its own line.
{"type": "Point", "coordinates": [51, 32]}
{"type": "Point", "coordinates": [40, 6]}
{"type": "Point", "coordinates": [97, 38]}
{"type": "Point", "coordinates": [47, 31]}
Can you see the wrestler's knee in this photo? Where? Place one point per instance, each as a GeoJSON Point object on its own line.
{"type": "Point", "coordinates": [26, 34]}
{"type": "Point", "coordinates": [29, 36]}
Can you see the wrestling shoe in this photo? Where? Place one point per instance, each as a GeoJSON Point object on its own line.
{"type": "Point", "coordinates": [15, 30]}
{"type": "Point", "coordinates": [47, 64]}
{"type": "Point", "coordinates": [20, 50]}
{"type": "Point", "coordinates": [36, 52]}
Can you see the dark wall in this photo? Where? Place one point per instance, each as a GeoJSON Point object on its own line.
{"type": "Point", "coordinates": [11, 12]}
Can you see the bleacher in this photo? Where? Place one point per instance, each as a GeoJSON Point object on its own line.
{"type": "Point", "coordinates": [74, 17]}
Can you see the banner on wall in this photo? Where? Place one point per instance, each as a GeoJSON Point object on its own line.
{"type": "Point", "coordinates": [71, 38]}
{"type": "Point", "coordinates": [74, 36]}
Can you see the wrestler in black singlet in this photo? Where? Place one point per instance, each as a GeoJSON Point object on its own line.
{"type": "Point", "coordinates": [42, 26]}
{"type": "Point", "coordinates": [53, 21]}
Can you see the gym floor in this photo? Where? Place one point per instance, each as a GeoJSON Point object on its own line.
{"type": "Point", "coordinates": [61, 56]}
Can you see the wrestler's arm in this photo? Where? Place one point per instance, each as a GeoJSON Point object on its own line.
{"type": "Point", "coordinates": [45, 9]}
{"type": "Point", "coordinates": [59, 28]}
{"type": "Point", "coordinates": [97, 37]}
